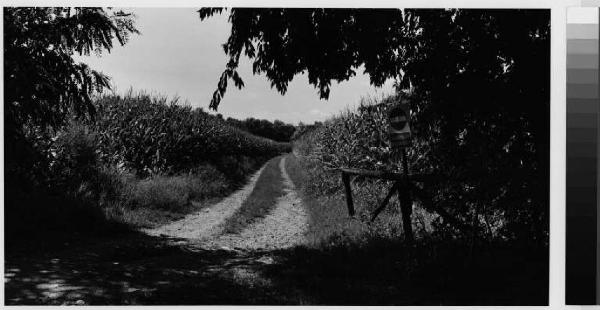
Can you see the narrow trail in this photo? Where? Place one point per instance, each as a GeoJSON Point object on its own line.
{"type": "Point", "coordinates": [207, 222]}
{"type": "Point", "coordinates": [284, 227]}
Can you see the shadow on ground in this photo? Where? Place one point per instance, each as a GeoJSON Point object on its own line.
{"type": "Point", "coordinates": [138, 269]}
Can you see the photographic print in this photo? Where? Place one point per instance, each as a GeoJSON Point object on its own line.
{"type": "Point", "coordinates": [276, 156]}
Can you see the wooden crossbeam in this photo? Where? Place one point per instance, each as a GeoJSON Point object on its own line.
{"type": "Point", "coordinates": [390, 175]}
{"type": "Point", "coordinates": [393, 189]}
{"type": "Point", "coordinates": [373, 174]}
{"type": "Point", "coordinates": [402, 186]}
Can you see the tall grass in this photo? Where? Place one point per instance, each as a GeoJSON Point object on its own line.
{"type": "Point", "coordinates": [159, 199]}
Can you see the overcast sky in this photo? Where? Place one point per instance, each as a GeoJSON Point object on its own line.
{"type": "Point", "coordinates": [177, 54]}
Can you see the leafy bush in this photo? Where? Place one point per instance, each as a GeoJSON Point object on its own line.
{"type": "Point", "coordinates": [74, 189]}
{"type": "Point", "coordinates": [75, 157]}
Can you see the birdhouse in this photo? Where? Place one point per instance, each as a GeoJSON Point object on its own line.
{"type": "Point", "coordinates": [399, 131]}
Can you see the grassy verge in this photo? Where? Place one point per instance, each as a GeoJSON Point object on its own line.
{"type": "Point", "coordinates": [329, 222]}
{"type": "Point", "coordinates": [268, 188]}
{"type": "Point", "coordinates": [108, 199]}
{"type": "Point", "coordinates": [162, 199]}
{"type": "Point", "coordinates": [327, 215]}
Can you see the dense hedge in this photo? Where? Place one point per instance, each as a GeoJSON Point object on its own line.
{"type": "Point", "coordinates": [153, 135]}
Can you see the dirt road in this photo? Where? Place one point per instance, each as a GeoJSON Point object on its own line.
{"type": "Point", "coordinates": [284, 227]}
{"type": "Point", "coordinates": [207, 222]}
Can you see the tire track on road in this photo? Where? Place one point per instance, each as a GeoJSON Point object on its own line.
{"type": "Point", "coordinates": [208, 222]}
{"type": "Point", "coordinates": [284, 227]}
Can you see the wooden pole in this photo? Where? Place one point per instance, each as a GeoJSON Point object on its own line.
{"type": "Point", "coordinates": [346, 181]}
{"type": "Point", "coordinates": [406, 202]}
{"type": "Point", "coordinates": [405, 163]}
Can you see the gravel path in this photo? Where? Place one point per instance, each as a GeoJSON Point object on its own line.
{"type": "Point", "coordinates": [207, 222]}
{"type": "Point", "coordinates": [284, 227]}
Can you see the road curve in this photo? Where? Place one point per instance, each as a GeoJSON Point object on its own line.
{"type": "Point", "coordinates": [207, 222]}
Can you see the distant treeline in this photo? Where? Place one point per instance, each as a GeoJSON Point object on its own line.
{"type": "Point", "coordinates": [305, 128]}
{"type": "Point", "coordinates": [276, 130]}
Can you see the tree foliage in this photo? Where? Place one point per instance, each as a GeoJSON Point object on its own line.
{"type": "Point", "coordinates": [42, 81]}
{"type": "Point", "coordinates": [478, 80]}
{"type": "Point", "coordinates": [327, 44]}
{"type": "Point", "coordinates": [43, 84]}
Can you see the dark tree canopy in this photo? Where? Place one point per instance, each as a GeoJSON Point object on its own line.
{"type": "Point", "coordinates": [478, 82]}
{"type": "Point", "coordinates": [42, 81]}
{"type": "Point", "coordinates": [43, 84]}
{"type": "Point", "coordinates": [331, 44]}
{"type": "Point", "coordinates": [462, 66]}
{"type": "Point", "coordinates": [327, 44]}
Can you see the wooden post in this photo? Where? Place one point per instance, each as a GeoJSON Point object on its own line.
{"type": "Point", "coordinates": [405, 163]}
{"type": "Point", "coordinates": [393, 189]}
{"type": "Point", "coordinates": [346, 181]}
{"type": "Point", "coordinates": [406, 202]}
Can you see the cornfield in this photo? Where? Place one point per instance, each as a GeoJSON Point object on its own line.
{"type": "Point", "coordinates": [358, 138]}
{"type": "Point", "coordinates": [153, 135]}
{"type": "Point", "coordinates": [354, 139]}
